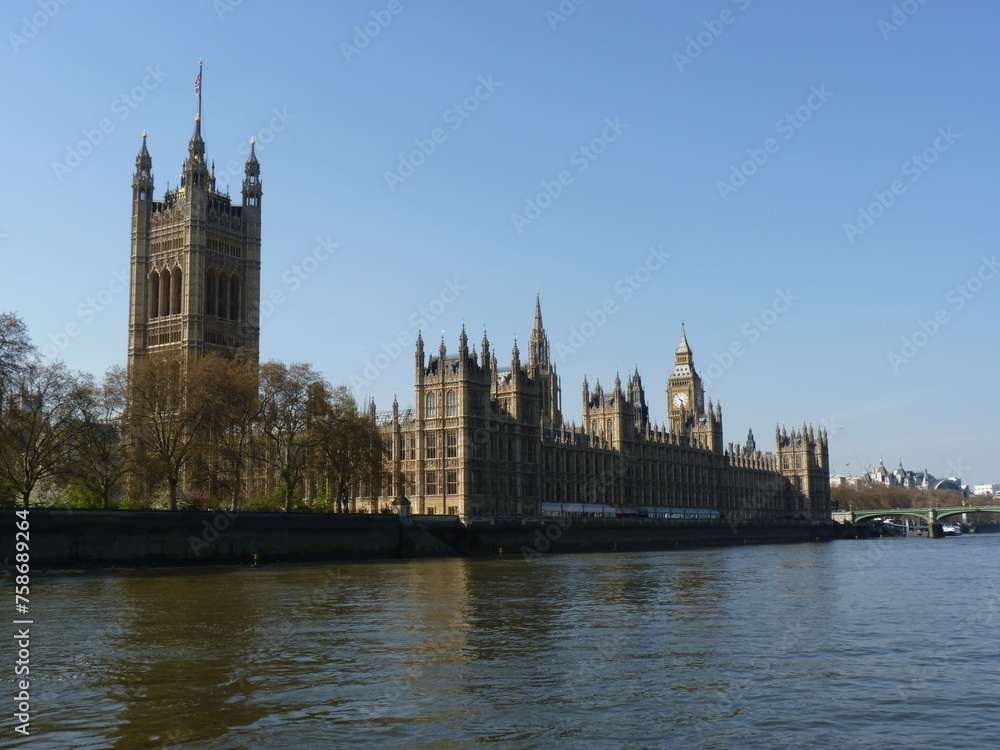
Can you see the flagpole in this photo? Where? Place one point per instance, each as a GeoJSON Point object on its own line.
{"type": "Point", "coordinates": [199, 89]}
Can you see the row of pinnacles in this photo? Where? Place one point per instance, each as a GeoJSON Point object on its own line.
{"type": "Point", "coordinates": [486, 438]}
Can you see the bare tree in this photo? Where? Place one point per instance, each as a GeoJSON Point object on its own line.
{"type": "Point", "coordinates": [233, 408]}
{"type": "Point", "coordinates": [15, 350]}
{"type": "Point", "coordinates": [285, 405]}
{"type": "Point", "coordinates": [350, 446]}
{"type": "Point", "coordinates": [99, 464]}
{"type": "Point", "coordinates": [165, 417]}
{"type": "Point", "coordinates": [39, 426]}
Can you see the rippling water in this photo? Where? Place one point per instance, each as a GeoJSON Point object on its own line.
{"type": "Point", "coordinates": [866, 644]}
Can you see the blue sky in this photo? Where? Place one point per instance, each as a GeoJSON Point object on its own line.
{"type": "Point", "coordinates": [811, 186]}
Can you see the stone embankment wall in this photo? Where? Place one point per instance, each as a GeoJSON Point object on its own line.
{"type": "Point", "coordinates": [96, 539]}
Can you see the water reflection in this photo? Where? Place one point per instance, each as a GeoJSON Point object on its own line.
{"type": "Point", "coordinates": [745, 647]}
{"type": "Point", "coordinates": [185, 657]}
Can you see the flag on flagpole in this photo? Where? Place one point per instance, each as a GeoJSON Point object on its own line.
{"type": "Point", "coordinates": [197, 84]}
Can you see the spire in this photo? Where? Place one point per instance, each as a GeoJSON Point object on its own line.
{"type": "Point", "coordinates": [143, 162]}
{"type": "Point", "coordinates": [251, 182]}
{"type": "Point", "coordinates": [142, 181]}
{"type": "Point", "coordinates": [419, 351]}
{"type": "Point", "coordinates": [463, 340]}
{"type": "Point", "coordinates": [682, 347]}
{"type": "Point", "coordinates": [538, 345]}
{"type": "Point", "coordinates": [253, 166]}
{"type": "Point", "coordinates": [515, 357]}
{"type": "Point", "coordinates": [683, 367]}
{"type": "Point", "coordinates": [196, 146]}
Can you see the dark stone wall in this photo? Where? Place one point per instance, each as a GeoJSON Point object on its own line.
{"type": "Point", "coordinates": [95, 539]}
{"type": "Point", "coordinates": [66, 539]}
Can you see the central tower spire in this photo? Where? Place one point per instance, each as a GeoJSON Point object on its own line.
{"type": "Point", "coordinates": [538, 345]}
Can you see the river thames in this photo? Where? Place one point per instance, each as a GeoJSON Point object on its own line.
{"type": "Point", "coordinates": [852, 644]}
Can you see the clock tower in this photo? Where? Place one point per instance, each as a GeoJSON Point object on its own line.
{"type": "Point", "coordinates": [685, 395]}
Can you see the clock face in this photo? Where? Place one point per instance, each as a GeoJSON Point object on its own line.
{"type": "Point", "coordinates": [680, 399]}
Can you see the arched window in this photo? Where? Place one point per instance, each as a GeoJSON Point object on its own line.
{"type": "Point", "coordinates": [222, 298]}
{"type": "Point", "coordinates": [210, 292]}
{"type": "Point", "coordinates": [165, 292]}
{"type": "Point", "coordinates": [175, 291]}
{"type": "Point", "coordinates": [798, 462]}
{"type": "Point", "coordinates": [785, 463]}
{"type": "Point", "coordinates": [432, 406]}
{"type": "Point", "coordinates": [451, 404]}
{"type": "Point", "coordinates": [154, 294]}
{"type": "Point", "coordinates": [611, 431]}
{"type": "Point", "coordinates": [234, 298]}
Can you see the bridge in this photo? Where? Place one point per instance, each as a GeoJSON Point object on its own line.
{"type": "Point", "coordinates": [933, 516]}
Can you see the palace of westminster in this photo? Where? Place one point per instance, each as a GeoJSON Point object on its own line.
{"type": "Point", "coordinates": [485, 438]}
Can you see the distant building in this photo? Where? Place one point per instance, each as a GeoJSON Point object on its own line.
{"type": "Point", "coordinates": [989, 490]}
{"type": "Point", "coordinates": [489, 440]}
{"type": "Point", "coordinates": [921, 480]}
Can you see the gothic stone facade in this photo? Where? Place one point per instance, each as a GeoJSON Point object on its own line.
{"type": "Point", "coordinates": [195, 282]}
{"type": "Point", "coordinates": [487, 440]}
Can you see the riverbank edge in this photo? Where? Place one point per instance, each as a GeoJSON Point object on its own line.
{"type": "Point", "coordinates": [62, 539]}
